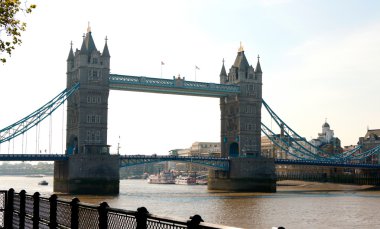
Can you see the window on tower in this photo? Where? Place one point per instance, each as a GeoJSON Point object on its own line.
{"type": "Point", "coordinates": [94, 99]}
{"type": "Point", "coordinates": [93, 118]}
{"type": "Point", "coordinates": [97, 136]}
{"type": "Point", "coordinates": [93, 136]}
{"type": "Point", "coordinates": [93, 74]}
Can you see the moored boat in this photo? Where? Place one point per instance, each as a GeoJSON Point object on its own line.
{"type": "Point", "coordinates": [164, 177]}
{"type": "Point", "coordinates": [44, 182]}
{"type": "Point", "coordinates": [201, 181]}
{"type": "Point", "coordinates": [189, 180]}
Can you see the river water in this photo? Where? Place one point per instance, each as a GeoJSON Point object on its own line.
{"type": "Point", "coordinates": [299, 205]}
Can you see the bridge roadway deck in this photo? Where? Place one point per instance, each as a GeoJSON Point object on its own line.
{"type": "Point", "coordinates": [216, 163]}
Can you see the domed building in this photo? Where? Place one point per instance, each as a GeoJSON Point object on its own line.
{"type": "Point", "coordinates": [326, 140]}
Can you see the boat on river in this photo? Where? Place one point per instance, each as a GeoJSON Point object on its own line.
{"type": "Point", "coordinates": [164, 177]}
{"type": "Point", "coordinates": [43, 182]}
{"type": "Point", "coordinates": [202, 181]}
{"type": "Point", "coordinates": [188, 180]}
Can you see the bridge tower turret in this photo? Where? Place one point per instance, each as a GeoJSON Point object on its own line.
{"type": "Point", "coordinates": [90, 164]}
{"type": "Point", "coordinates": [241, 132]}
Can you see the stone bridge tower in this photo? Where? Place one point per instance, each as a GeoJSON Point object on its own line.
{"type": "Point", "coordinates": [241, 114]}
{"type": "Point", "coordinates": [90, 168]}
{"type": "Point", "coordinates": [241, 132]}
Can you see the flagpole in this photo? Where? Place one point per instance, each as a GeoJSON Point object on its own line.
{"type": "Point", "coordinates": [195, 71]}
{"type": "Point", "coordinates": [162, 63]}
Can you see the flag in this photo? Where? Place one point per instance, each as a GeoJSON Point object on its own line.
{"type": "Point", "coordinates": [196, 67]}
{"type": "Point", "coordinates": [162, 63]}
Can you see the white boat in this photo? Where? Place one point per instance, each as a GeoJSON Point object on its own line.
{"type": "Point", "coordinates": [164, 177]}
{"type": "Point", "coordinates": [202, 181]}
{"type": "Point", "coordinates": [185, 180]}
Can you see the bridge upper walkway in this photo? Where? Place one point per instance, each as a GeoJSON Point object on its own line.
{"type": "Point", "coordinates": [178, 86]}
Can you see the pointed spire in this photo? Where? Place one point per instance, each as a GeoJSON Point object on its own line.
{"type": "Point", "coordinates": [223, 71]}
{"type": "Point", "coordinates": [83, 49]}
{"type": "Point", "coordinates": [241, 49]}
{"type": "Point", "coordinates": [88, 28]}
{"type": "Point", "coordinates": [71, 53]}
{"type": "Point", "coordinates": [88, 45]}
{"type": "Point", "coordinates": [106, 53]}
{"type": "Point", "coordinates": [258, 66]}
{"type": "Point", "coordinates": [241, 61]}
{"type": "Point", "coordinates": [90, 42]}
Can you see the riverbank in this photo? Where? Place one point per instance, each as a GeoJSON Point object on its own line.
{"type": "Point", "coordinates": [292, 185]}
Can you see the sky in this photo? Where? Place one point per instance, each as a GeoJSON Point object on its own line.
{"type": "Point", "coordinates": [319, 61]}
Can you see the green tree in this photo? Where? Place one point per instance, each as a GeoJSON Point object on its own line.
{"type": "Point", "coordinates": [11, 26]}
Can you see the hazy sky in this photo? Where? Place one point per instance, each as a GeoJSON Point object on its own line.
{"type": "Point", "coordinates": [319, 59]}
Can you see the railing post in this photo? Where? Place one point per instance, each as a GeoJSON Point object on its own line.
{"type": "Point", "coordinates": [9, 209]}
{"type": "Point", "coordinates": [74, 213]}
{"type": "Point", "coordinates": [22, 208]}
{"type": "Point", "coordinates": [36, 210]}
{"type": "Point", "coordinates": [103, 215]}
{"type": "Point", "coordinates": [53, 211]}
{"type": "Point", "coordinates": [141, 218]}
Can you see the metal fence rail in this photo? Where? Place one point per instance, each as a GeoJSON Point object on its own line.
{"type": "Point", "coordinates": [3, 198]}
{"type": "Point", "coordinates": [19, 210]}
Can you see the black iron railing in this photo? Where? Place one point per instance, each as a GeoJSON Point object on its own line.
{"type": "Point", "coordinates": [19, 210]}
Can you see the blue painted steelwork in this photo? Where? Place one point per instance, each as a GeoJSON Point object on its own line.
{"type": "Point", "coordinates": [33, 119]}
{"type": "Point", "coordinates": [278, 141]}
{"type": "Point", "coordinates": [289, 133]}
{"type": "Point", "coordinates": [214, 163]}
{"type": "Point", "coordinates": [291, 140]}
{"type": "Point", "coordinates": [326, 163]}
{"type": "Point", "coordinates": [171, 86]}
{"type": "Point", "coordinates": [210, 162]}
{"type": "Point", "coordinates": [365, 154]}
{"type": "Point", "coordinates": [33, 157]}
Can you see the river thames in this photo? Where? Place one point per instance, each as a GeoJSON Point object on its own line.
{"type": "Point", "coordinates": [295, 205]}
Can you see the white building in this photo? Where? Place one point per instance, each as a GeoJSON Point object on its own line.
{"type": "Point", "coordinates": [326, 141]}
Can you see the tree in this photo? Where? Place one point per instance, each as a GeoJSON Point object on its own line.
{"type": "Point", "coordinates": [11, 26]}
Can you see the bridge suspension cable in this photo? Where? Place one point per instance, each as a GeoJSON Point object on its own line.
{"type": "Point", "coordinates": [290, 141]}
{"type": "Point", "coordinates": [23, 125]}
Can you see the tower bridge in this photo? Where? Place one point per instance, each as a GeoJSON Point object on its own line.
{"type": "Point", "coordinates": [88, 167]}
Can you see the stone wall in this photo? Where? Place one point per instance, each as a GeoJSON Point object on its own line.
{"type": "Point", "coordinates": [87, 174]}
{"type": "Point", "coordinates": [246, 174]}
